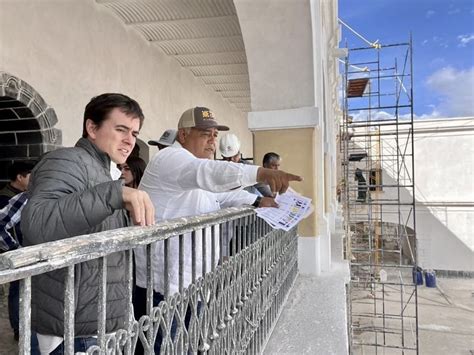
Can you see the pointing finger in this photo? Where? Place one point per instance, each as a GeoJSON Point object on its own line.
{"type": "Point", "coordinates": [292, 177]}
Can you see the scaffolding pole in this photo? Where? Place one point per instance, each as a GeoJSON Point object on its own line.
{"type": "Point", "coordinates": [377, 191]}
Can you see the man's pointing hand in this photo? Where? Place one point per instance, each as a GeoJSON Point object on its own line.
{"type": "Point", "coordinates": [278, 180]}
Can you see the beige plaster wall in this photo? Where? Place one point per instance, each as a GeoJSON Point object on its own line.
{"type": "Point", "coordinates": [273, 36]}
{"type": "Point", "coordinates": [293, 145]}
{"type": "Point", "coordinates": [71, 50]}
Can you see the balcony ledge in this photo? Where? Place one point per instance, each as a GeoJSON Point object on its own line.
{"type": "Point", "coordinates": [314, 319]}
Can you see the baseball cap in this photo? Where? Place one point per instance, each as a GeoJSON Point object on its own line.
{"type": "Point", "coordinates": [167, 138]}
{"type": "Point", "coordinates": [199, 117]}
{"type": "Point", "coordinates": [229, 145]}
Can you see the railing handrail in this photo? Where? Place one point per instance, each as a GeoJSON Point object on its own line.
{"type": "Point", "coordinates": [45, 257]}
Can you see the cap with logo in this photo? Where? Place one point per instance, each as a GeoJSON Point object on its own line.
{"type": "Point", "coordinates": [201, 118]}
{"type": "Point", "coordinates": [167, 138]}
{"type": "Point", "coordinates": [229, 145]}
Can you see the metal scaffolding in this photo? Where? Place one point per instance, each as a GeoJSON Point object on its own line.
{"type": "Point", "coordinates": [376, 143]}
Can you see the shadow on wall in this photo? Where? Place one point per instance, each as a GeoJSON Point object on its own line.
{"type": "Point", "coordinates": [438, 247]}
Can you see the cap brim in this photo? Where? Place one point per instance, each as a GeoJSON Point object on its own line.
{"type": "Point", "coordinates": [230, 154]}
{"type": "Point", "coordinates": [218, 127]}
{"type": "Point", "coordinates": [153, 142]}
{"type": "Point", "coordinates": [222, 128]}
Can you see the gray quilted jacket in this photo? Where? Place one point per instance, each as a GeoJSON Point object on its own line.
{"type": "Point", "coordinates": [72, 193]}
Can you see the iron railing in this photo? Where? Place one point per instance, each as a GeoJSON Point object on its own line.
{"type": "Point", "coordinates": [239, 298]}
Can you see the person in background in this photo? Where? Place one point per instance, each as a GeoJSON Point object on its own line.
{"type": "Point", "coordinates": [167, 138]}
{"type": "Point", "coordinates": [10, 217]}
{"type": "Point", "coordinates": [19, 174]}
{"type": "Point", "coordinates": [229, 145]}
{"type": "Point", "coordinates": [132, 171]}
{"type": "Point", "coordinates": [72, 193]}
{"type": "Point", "coordinates": [361, 186]}
{"type": "Point", "coordinates": [271, 161]}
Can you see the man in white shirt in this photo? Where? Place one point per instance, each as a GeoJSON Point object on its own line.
{"type": "Point", "coordinates": [181, 181]}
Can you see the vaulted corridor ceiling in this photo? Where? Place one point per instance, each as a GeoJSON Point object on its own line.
{"type": "Point", "coordinates": [204, 36]}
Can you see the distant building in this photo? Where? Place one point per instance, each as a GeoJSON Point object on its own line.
{"type": "Point", "coordinates": [444, 168]}
{"type": "Point", "coordinates": [444, 190]}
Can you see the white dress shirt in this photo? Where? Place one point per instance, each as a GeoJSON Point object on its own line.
{"type": "Point", "coordinates": [181, 185]}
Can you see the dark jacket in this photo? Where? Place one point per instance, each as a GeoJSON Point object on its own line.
{"type": "Point", "coordinates": [72, 193]}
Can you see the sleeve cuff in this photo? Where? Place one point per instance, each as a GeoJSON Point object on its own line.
{"type": "Point", "coordinates": [116, 200]}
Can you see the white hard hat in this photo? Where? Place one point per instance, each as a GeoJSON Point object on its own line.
{"type": "Point", "coordinates": [229, 145]}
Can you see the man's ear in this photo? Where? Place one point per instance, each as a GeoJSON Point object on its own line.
{"type": "Point", "coordinates": [91, 128]}
{"type": "Point", "coordinates": [181, 136]}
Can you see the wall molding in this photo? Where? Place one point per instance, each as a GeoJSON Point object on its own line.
{"type": "Point", "coordinates": [303, 117]}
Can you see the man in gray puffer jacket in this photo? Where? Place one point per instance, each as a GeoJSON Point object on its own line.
{"type": "Point", "coordinates": [72, 193]}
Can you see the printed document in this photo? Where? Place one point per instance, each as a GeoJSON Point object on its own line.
{"type": "Point", "coordinates": [292, 208]}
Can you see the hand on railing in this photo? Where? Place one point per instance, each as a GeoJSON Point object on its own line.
{"type": "Point", "coordinates": [277, 179]}
{"type": "Point", "coordinates": [139, 205]}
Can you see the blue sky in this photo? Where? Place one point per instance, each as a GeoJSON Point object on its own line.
{"type": "Point", "coordinates": [443, 47]}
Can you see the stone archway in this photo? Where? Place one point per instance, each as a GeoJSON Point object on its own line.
{"type": "Point", "coordinates": [26, 123]}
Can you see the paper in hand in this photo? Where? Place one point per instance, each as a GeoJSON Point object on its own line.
{"type": "Point", "coordinates": [292, 208]}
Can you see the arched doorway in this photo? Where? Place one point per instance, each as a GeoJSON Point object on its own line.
{"type": "Point", "coordinates": [26, 123]}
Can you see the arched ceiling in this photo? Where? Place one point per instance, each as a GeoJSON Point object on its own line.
{"type": "Point", "coordinates": [204, 36]}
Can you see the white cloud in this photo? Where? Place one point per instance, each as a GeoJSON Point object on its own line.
{"type": "Point", "coordinates": [374, 116]}
{"type": "Point", "coordinates": [456, 90]}
{"type": "Point", "coordinates": [429, 13]}
{"type": "Point", "coordinates": [424, 43]}
{"type": "Point", "coordinates": [465, 39]}
{"type": "Point", "coordinates": [363, 116]}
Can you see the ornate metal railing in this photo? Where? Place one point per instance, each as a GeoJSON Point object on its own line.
{"type": "Point", "coordinates": [233, 307]}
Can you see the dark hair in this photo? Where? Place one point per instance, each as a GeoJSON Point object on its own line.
{"type": "Point", "coordinates": [100, 106]}
{"type": "Point", "coordinates": [267, 158]}
{"type": "Point", "coordinates": [20, 167]}
{"type": "Point", "coordinates": [137, 167]}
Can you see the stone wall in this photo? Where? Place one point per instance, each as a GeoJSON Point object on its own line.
{"type": "Point", "coordinates": [26, 123]}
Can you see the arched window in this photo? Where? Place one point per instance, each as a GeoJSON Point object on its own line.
{"type": "Point", "coordinates": [26, 123]}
